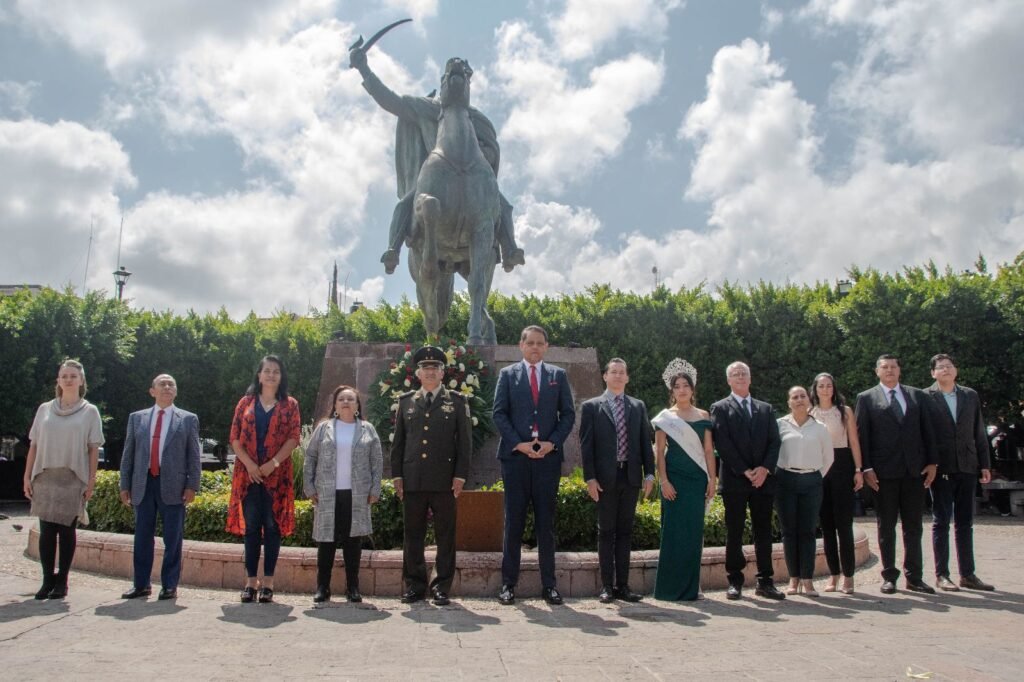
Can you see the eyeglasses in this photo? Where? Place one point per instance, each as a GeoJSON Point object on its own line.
{"type": "Point", "coordinates": [942, 368]}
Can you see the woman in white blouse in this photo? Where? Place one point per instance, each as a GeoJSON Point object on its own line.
{"type": "Point", "coordinates": [804, 459]}
{"type": "Point", "coordinates": [341, 476]}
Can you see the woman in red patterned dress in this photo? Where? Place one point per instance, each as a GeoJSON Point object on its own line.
{"type": "Point", "coordinates": [264, 432]}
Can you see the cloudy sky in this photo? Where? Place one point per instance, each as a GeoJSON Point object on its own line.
{"type": "Point", "coordinates": [715, 139]}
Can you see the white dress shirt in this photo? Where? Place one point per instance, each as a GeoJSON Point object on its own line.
{"type": "Point", "coordinates": [805, 448]}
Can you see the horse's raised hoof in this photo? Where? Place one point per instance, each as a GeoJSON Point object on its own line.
{"type": "Point", "coordinates": [517, 257]}
{"type": "Point", "coordinates": [390, 261]}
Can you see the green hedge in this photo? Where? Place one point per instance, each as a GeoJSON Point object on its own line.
{"type": "Point", "coordinates": [575, 525]}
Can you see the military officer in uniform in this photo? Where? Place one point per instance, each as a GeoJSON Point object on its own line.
{"type": "Point", "coordinates": [429, 465]}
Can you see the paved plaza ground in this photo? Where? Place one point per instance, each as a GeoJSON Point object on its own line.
{"type": "Point", "coordinates": [208, 635]}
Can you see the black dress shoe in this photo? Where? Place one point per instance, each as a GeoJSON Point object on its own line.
{"type": "Point", "coordinates": [353, 596]}
{"type": "Point", "coordinates": [973, 582]}
{"type": "Point", "coordinates": [322, 594]}
{"type": "Point", "coordinates": [768, 590]}
{"type": "Point", "coordinates": [919, 586]}
{"type": "Point", "coordinates": [59, 591]}
{"type": "Point", "coordinates": [552, 596]}
{"type": "Point", "coordinates": [889, 587]}
{"type": "Point", "coordinates": [168, 594]}
{"type": "Point", "coordinates": [439, 598]}
{"type": "Point", "coordinates": [626, 594]}
{"type": "Point", "coordinates": [137, 592]}
{"type": "Point", "coordinates": [507, 596]}
{"type": "Point", "coordinates": [248, 595]}
{"type": "Point", "coordinates": [44, 591]}
{"type": "Point", "coordinates": [945, 584]}
{"type": "Point", "coordinates": [411, 597]}
{"type": "Point", "coordinates": [605, 595]}
{"type": "Point", "coordinates": [734, 592]}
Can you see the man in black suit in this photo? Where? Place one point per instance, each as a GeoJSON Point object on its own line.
{"type": "Point", "coordinates": [615, 439]}
{"type": "Point", "coordinates": [429, 465]}
{"type": "Point", "coordinates": [963, 458]}
{"type": "Point", "coordinates": [746, 437]}
{"type": "Point", "coordinates": [897, 447]}
{"type": "Point", "coordinates": [534, 413]}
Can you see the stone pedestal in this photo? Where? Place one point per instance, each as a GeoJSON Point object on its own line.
{"type": "Point", "coordinates": [358, 364]}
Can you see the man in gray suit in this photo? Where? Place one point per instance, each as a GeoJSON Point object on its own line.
{"type": "Point", "coordinates": [897, 446]}
{"type": "Point", "coordinates": [159, 476]}
{"type": "Point", "coordinates": [963, 461]}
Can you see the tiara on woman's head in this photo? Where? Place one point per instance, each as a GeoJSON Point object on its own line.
{"type": "Point", "coordinates": [675, 368]}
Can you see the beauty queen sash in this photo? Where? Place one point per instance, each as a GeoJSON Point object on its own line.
{"type": "Point", "coordinates": [684, 435]}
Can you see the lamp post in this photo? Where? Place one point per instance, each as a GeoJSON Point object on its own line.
{"type": "Point", "coordinates": [121, 276]}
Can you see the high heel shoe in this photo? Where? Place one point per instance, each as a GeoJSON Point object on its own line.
{"type": "Point", "coordinates": [833, 584]}
{"type": "Point", "coordinates": [847, 585]}
{"type": "Point", "coordinates": [807, 588]}
{"type": "Point", "coordinates": [44, 591]}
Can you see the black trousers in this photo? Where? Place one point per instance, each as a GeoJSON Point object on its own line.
{"type": "Point", "coordinates": [953, 499]}
{"type": "Point", "coordinates": [616, 511]}
{"type": "Point", "coordinates": [760, 504]}
{"type": "Point", "coordinates": [52, 535]}
{"type": "Point", "coordinates": [903, 499]}
{"type": "Point", "coordinates": [837, 514]}
{"type": "Point", "coordinates": [414, 513]}
{"type": "Point", "coordinates": [351, 547]}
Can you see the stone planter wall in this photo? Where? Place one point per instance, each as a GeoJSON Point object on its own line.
{"type": "Point", "coordinates": [478, 574]}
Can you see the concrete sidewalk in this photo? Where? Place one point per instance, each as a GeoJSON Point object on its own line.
{"type": "Point", "coordinates": [207, 634]}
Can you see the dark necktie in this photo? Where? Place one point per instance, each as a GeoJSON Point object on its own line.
{"type": "Point", "coordinates": [895, 404]}
{"type": "Point", "coordinates": [429, 399]}
{"type": "Point", "coordinates": [619, 408]}
{"type": "Point", "coordinates": [154, 448]}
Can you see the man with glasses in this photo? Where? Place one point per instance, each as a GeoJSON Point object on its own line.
{"type": "Point", "coordinates": [963, 460]}
{"type": "Point", "coordinates": [429, 465]}
{"type": "Point", "coordinates": [746, 437]}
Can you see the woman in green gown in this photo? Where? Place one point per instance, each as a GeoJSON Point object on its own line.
{"type": "Point", "coordinates": [686, 466]}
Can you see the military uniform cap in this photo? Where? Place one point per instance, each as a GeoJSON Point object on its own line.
{"type": "Point", "coordinates": [429, 355]}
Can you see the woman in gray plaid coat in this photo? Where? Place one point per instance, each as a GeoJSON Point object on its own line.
{"type": "Point", "coordinates": [342, 476]}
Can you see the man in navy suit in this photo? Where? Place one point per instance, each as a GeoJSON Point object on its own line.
{"type": "Point", "coordinates": [615, 440]}
{"type": "Point", "coordinates": [963, 460]}
{"type": "Point", "coordinates": [747, 438]}
{"type": "Point", "coordinates": [534, 414]}
{"type": "Point", "coordinates": [159, 476]}
{"type": "Point", "coordinates": [897, 446]}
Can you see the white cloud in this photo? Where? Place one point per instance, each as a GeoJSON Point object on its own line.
{"type": "Point", "coordinates": [588, 25]}
{"type": "Point", "coordinates": [416, 9]}
{"type": "Point", "coordinates": [125, 33]}
{"type": "Point", "coordinates": [771, 18]}
{"type": "Point", "coordinates": [941, 75]}
{"type": "Point", "coordinates": [54, 181]}
{"type": "Point", "coordinates": [567, 130]}
{"type": "Point", "coordinates": [16, 96]}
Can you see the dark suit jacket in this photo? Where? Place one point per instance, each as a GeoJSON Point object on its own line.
{"type": "Point", "coordinates": [743, 445]}
{"type": "Point", "coordinates": [892, 448]}
{"type": "Point", "coordinates": [962, 443]}
{"type": "Point", "coordinates": [431, 447]}
{"type": "Point", "coordinates": [179, 466]}
{"type": "Point", "coordinates": [599, 441]}
{"type": "Point", "coordinates": [514, 412]}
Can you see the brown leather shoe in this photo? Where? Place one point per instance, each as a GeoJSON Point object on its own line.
{"type": "Point", "coordinates": [973, 582]}
{"type": "Point", "coordinates": [945, 584]}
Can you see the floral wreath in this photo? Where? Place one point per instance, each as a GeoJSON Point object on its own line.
{"type": "Point", "coordinates": [464, 372]}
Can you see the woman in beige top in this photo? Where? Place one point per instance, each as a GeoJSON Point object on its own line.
{"type": "Point", "coordinates": [60, 473]}
{"type": "Point", "coordinates": [842, 481]}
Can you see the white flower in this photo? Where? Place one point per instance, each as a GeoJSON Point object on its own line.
{"type": "Point", "coordinates": [407, 383]}
{"type": "Point", "coordinates": [391, 437]}
{"type": "Point", "coordinates": [394, 407]}
{"type": "Point", "coordinates": [462, 367]}
{"type": "Point", "coordinates": [453, 384]}
{"type": "Point", "coordinates": [472, 380]}
{"type": "Point", "coordinates": [475, 421]}
{"type": "Point", "coordinates": [384, 387]}
{"type": "Point", "coordinates": [481, 365]}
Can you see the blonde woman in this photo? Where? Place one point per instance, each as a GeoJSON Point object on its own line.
{"type": "Point", "coordinates": [60, 473]}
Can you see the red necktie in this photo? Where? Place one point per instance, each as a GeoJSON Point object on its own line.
{"type": "Point", "coordinates": [534, 386]}
{"type": "Point", "coordinates": [154, 448]}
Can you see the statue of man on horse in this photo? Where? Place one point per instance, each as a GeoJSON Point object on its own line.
{"type": "Point", "coordinates": [450, 212]}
